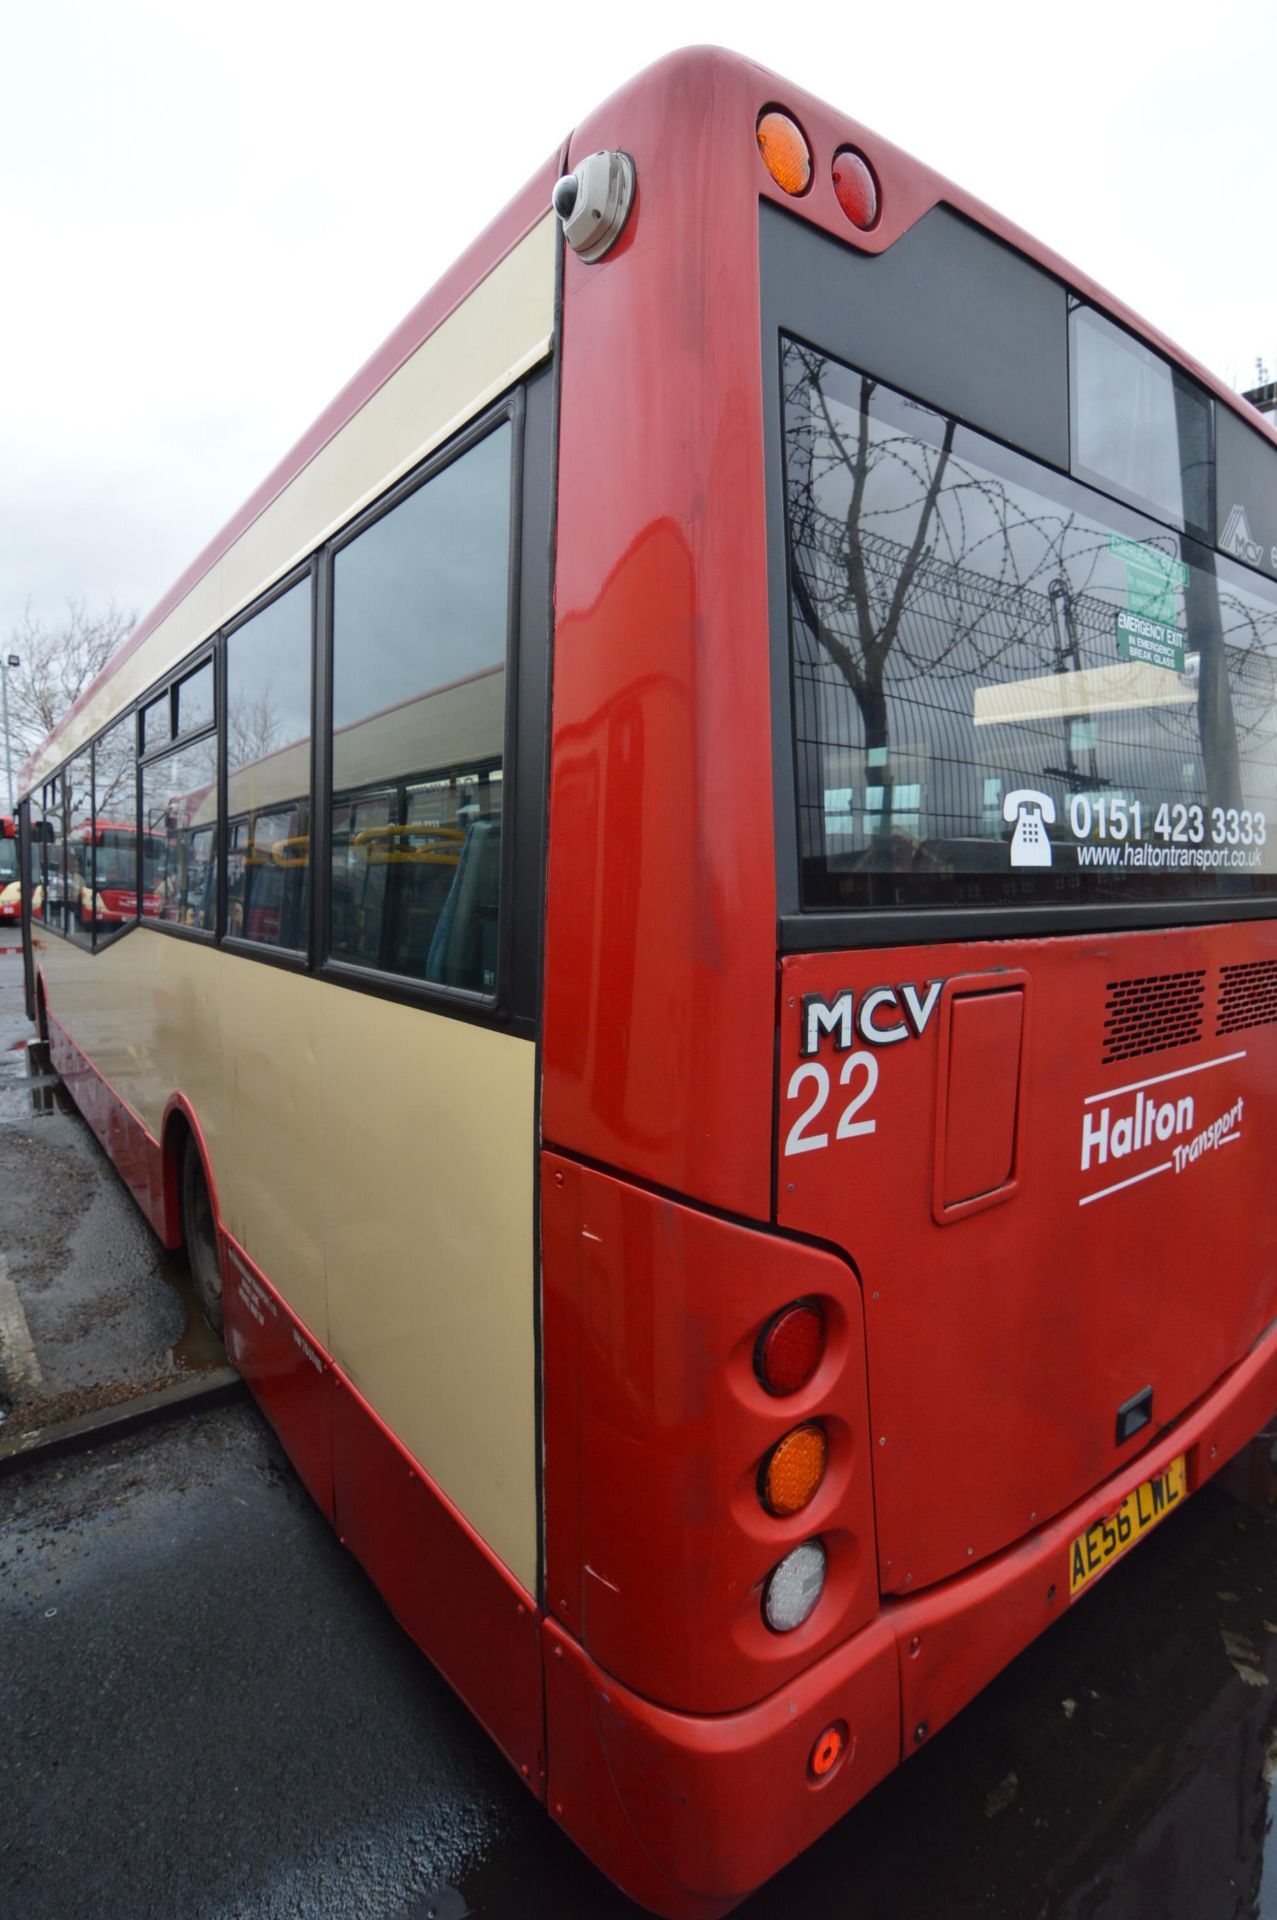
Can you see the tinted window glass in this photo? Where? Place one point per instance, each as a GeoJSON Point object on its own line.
{"type": "Point", "coordinates": [195, 701]}
{"type": "Point", "coordinates": [115, 828]}
{"type": "Point", "coordinates": [1006, 688]}
{"type": "Point", "coordinates": [49, 853]}
{"type": "Point", "coordinates": [1140, 427]}
{"type": "Point", "coordinates": [179, 820]}
{"type": "Point", "coordinates": [420, 616]}
{"type": "Point", "coordinates": [157, 722]}
{"type": "Point", "coordinates": [78, 895]}
{"type": "Point", "coordinates": [268, 670]}
{"type": "Point", "coordinates": [8, 860]}
{"type": "Point", "coordinates": [1245, 492]}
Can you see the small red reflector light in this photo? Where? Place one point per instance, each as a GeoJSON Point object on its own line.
{"type": "Point", "coordinates": [789, 1347]}
{"type": "Point", "coordinates": [828, 1751]}
{"type": "Point", "coordinates": [856, 188]}
{"type": "Point", "coordinates": [786, 155]}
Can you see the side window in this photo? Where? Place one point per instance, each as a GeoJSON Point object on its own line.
{"type": "Point", "coordinates": [179, 829]}
{"type": "Point", "coordinates": [420, 628]}
{"type": "Point", "coordinates": [115, 878]}
{"type": "Point", "coordinates": [78, 903]}
{"type": "Point", "coordinates": [47, 855]}
{"type": "Point", "coordinates": [58, 853]}
{"type": "Point", "coordinates": [268, 671]}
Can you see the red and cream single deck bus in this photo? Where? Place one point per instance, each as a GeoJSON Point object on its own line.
{"type": "Point", "coordinates": [705, 996]}
{"type": "Point", "coordinates": [10, 881]}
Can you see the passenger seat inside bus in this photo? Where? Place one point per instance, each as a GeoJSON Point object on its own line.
{"type": "Point", "coordinates": [463, 950]}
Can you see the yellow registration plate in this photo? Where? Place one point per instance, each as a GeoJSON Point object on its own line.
{"type": "Point", "coordinates": [1142, 1508]}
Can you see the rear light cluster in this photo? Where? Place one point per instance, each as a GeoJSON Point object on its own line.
{"type": "Point", "coordinates": [786, 154]}
{"type": "Point", "coordinates": [788, 1352]}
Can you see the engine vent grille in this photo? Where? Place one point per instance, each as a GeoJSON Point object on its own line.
{"type": "Point", "coordinates": [1247, 996]}
{"type": "Point", "coordinates": [1148, 1016]}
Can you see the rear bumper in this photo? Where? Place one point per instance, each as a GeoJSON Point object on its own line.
{"type": "Point", "coordinates": [690, 1813]}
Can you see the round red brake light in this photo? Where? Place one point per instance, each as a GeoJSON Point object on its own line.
{"type": "Point", "coordinates": [789, 1347]}
{"type": "Point", "coordinates": [856, 188]}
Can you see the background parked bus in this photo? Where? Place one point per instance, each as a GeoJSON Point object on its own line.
{"type": "Point", "coordinates": [10, 881]}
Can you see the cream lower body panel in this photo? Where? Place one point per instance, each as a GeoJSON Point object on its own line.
{"type": "Point", "coordinates": [376, 1162]}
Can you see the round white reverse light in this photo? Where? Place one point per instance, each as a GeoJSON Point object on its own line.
{"type": "Point", "coordinates": [794, 1587]}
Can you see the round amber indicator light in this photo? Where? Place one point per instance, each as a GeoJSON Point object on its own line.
{"type": "Point", "coordinates": [794, 1469]}
{"type": "Point", "coordinates": [786, 155]}
{"type": "Point", "coordinates": [855, 188]}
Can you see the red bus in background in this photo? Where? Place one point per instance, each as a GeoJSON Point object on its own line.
{"type": "Point", "coordinates": [10, 876]}
{"type": "Point", "coordinates": [107, 877]}
{"type": "Point", "coordinates": [710, 1017]}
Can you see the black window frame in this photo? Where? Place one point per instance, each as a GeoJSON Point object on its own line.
{"type": "Point", "coordinates": [500, 1007]}
{"type": "Point", "coordinates": [293, 959]}
{"type": "Point", "coordinates": [208, 650]}
{"type": "Point", "coordinates": [104, 937]}
{"type": "Point", "coordinates": [811, 304]}
{"type": "Point", "coordinates": [530, 408]}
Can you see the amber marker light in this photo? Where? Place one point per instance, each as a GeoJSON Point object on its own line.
{"type": "Point", "coordinates": [828, 1751]}
{"type": "Point", "coordinates": [786, 155]}
{"type": "Point", "coordinates": [793, 1470]}
{"type": "Point", "coordinates": [855, 188]}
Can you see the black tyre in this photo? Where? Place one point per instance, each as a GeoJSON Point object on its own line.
{"type": "Point", "coordinates": [201, 1237]}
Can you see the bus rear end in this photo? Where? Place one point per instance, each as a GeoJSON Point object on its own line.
{"type": "Point", "coordinates": [911, 978]}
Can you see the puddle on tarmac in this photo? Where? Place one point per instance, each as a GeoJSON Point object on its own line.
{"type": "Point", "coordinates": [43, 1086]}
{"type": "Point", "coordinates": [198, 1348]}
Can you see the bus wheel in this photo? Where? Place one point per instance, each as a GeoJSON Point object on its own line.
{"type": "Point", "coordinates": [201, 1237]}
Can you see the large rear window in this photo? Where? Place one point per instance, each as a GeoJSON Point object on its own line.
{"type": "Point", "coordinates": [1008, 687]}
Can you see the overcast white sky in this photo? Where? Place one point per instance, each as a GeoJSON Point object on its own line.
{"type": "Point", "coordinates": [210, 215]}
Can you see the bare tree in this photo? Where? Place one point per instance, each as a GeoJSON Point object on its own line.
{"type": "Point", "coordinates": [60, 659]}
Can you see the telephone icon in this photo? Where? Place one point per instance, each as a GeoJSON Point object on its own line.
{"type": "Point", "coordinates": [1030, 846]}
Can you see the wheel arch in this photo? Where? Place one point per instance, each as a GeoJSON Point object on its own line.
{"type": "Point", "coordinates": [180, 1124]}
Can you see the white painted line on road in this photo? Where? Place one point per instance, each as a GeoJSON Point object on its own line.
{"type": "Point", "coordinates": [16, 1346]}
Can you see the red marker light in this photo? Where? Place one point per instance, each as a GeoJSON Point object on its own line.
{"type": "Point", "coordinates": [789, 1347]}
{"type": "Point", "coordinates": [856, 188]}
{"type": "Point", "coordinates": [828, 1751]}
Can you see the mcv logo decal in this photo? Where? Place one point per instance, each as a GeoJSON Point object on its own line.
{"type": "Point", "coordinates": [1236, 538]}
{"type": "Point", "coordinates": [883, 1017]}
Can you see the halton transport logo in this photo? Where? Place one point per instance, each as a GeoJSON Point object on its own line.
{"type": "Point", "coordinates": [1236, 539]}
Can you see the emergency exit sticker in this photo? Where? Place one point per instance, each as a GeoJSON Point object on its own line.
{"type": "Point", "coordinates": [1152, 578]}
{"type": "Point", "coordinates": [1151, 641]}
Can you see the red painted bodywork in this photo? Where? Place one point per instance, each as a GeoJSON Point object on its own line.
{"type": "Point", "coordinates": [1002, 1337]}
{"type": "Point", "coordinates": [1003, 1323]}
{"type": "Point", "coordinates": [656, 1425]}
{"type": "Point", "coordinates": [687, 1813]}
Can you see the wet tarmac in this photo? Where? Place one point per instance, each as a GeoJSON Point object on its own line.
{"type": "Point", "coordinates": [208, 1714]}
{"type": "Point", "coordinates": [93, 1311]}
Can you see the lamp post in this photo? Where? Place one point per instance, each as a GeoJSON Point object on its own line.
{"type": "Point", "coordinates": [9, 660]}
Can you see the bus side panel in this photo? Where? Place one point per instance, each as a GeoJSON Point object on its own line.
{"type": "Point", "coordinates": [122, 1135]}
{"type": "Point", "coordinates": [656, 1425]}
{"type": "Point", "coordinates": [286, 1371]}
{"type": "Point", "coordinates": [661, 899]}
{"type": "Point", "coordinates": [454, 1597]}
